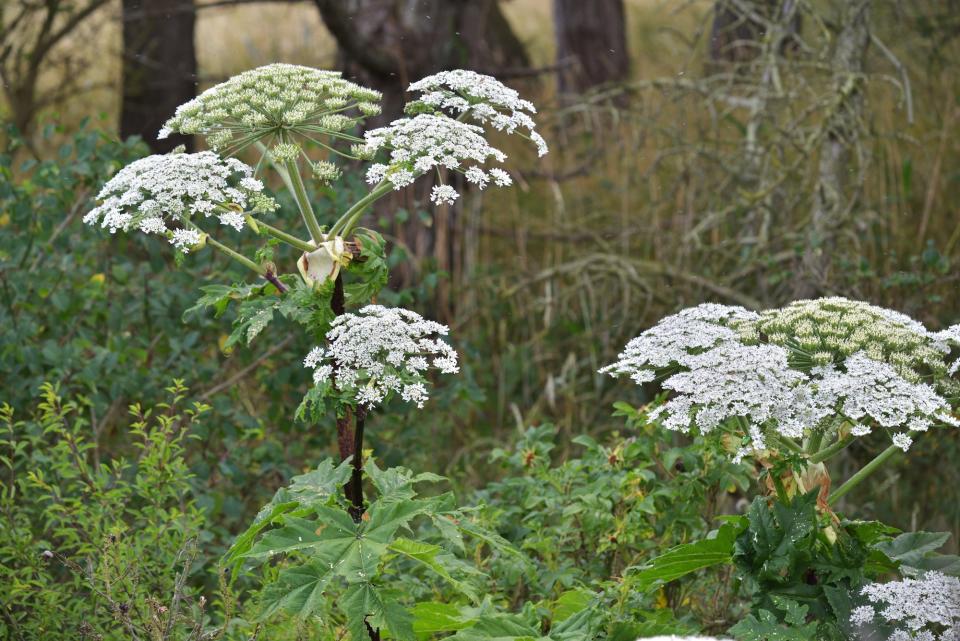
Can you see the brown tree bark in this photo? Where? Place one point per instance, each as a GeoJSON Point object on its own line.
{"type": "Point", "coordinates": [591, 43]}
{"type": "Point", "coordinates": [386, 45]}
{"type": "Point", "coordinates": [159, 67]}
{"type": "Point", "coordinates": [835, 194]}
{"type": "Point", "coordinates": [30, 32]}
{"type": "Point", "coordinates": [739, 27]}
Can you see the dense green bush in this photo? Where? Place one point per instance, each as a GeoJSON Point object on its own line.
{"type": "Point", "coordinates": [96, 544]}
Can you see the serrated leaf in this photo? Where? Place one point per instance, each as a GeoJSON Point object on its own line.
{"type": "Point", "coordinates": [768, 628]}
{"type": "Point", "coordinates": [433, 557]}
{"type": "Point", "coordinates": [299, 590]}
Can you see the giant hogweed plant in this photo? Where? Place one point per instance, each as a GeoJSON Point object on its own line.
{"type": "Point", "coordinates": [334, 559]}
{"type": "Point", "coordinates": [790, 389]}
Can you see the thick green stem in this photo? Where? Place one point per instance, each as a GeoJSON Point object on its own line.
{"type": "Point", "coordinates": [303, 202]}
{"type": "Point", "coordinates": [346, 223]}
{"type": "Point", "coordinates": [814, 443]}
{"type": "Point", "coordinates": [863, 473]}
{"type": "Point", "coordinates": [829, 451]}
{"type": "Point", "coordinates": [289, 239]}
{"type": "Point", "coordinates": [786, 443]}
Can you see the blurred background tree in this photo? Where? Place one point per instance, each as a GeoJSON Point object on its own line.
{"type": "Point", "coordinates": [739, 151]}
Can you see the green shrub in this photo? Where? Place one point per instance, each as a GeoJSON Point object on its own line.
{"type": "Point", "coordinates": [97, 546]}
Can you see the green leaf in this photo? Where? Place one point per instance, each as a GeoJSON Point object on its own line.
{"type": "Point", "coordinates": [306, 490]}
{"type": "Point", "coordinates": [365, 604]}
{"type": "Point", "coordinates": [569, 603]}
{"type": "Point", "coordinates": [396, 483]}
{"type": "Point", "coordinates": [433, 557]}
{"type": "Point", "coordinates": [917, 551]}
{"type": "Point", "coordinates": [778, 539]}
{"type": "Point", "coordinates": [299, 590]}
{"type": "Point", "coordinates": [768, 628]}
{"type": "Point", "coordinates": [371, 271]}
{"type": "Point", "coordinates": [684, 559]}
{"type": "Point", "coordinates": [500, 627]}
{"type": "Point", "coordinates": [431, 617]}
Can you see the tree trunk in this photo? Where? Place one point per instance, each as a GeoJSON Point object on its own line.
{"type": "Point", "coordinates": [159, 67]}
{"type": "Point", "coordinates": [591, 43]}
{"type": "Point", "coordinates": [739, 28]}
{"type": "Point", "coordinates": [386, 45]}
{"type": "Point", "coordinates": [834, 196]}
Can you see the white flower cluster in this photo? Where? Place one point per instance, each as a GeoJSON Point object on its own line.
{"type": "Point", "coordinates": [483, 98]}
{"type": "Point", "coordinates": [950, 337]}
{"type": "Point", "coordinates": [424, 142]}
{"type": "Point", "coordinates": [675, 338]}
{"type": "Point", "coordinates": [379, 351]}
{"type": "Point", "coordinates": [924, 609]}
{"type": "Point", "coordinates": [871, 389]}
{"type": "Point", "coordinates": [757, 375]}
{"type": "Point", "coordinates": [272, 98]}
{"type": "Point", "coordinates": [148, 193]}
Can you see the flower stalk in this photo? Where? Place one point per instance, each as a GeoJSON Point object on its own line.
{"type": "Point", "coordinates": [351, 217]}
{"type": "Point", "coordinates": [863, 473]}
{"type": "Point", "coordinates": [303, 201]}
{"type": "Point", "coordinates": [283, 236]}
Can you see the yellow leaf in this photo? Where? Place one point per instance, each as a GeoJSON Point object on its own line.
{"type": "Point", "coordinates": [661, 601]}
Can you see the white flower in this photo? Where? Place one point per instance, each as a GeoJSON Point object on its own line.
{"type": "Point", "coordinates": [500, 177]}
{"type": "Point", "coordinates": [483, 98]}
{"type": "Point", "coordinates": [675, 338]}
{"type": "Point", "coordinates": [150, 192]}
{"type": "Point", "coordinates": [264, 100]}
{"type": "Point", "coordinates": [233, 219]}
{"type": "Point", "coordinates": [427, 141]}
{"type": "Point", "coordinates": [924, 608]}
{"type": "Point", "coordinates": [903, 441]}
{"type": "Point", "coordinates": [443, 194]}
{"type": "Point", "coordinates": [185, 239]}
{"type": "Point", "coordinates": [862, 614]}
{"type": "Point", "coordinates": [477, 176]}
{"type": "Point", "coordinates": [790, 372]}
{"type": "Point", "coordinates": [380, 351]}
{"type": "Point", "coordinates": [871, 389]}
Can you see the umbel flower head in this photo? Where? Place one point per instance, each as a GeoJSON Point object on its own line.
{"type": "Point", "coordinates": [924, 609]}
{"type": "Point", "coordinates": [380, 351]}
{"type": "Point", "coordinates": [828, 330]}
{"type": "Point", "coordinates": [418, 145]}
{"type": "Point", "coordinates": [267, 100]}
{"type": "Point", "coordinates": [759, 377]}
{"type": "Point", "coordinates": [173, 188]}
{"type": "Point", "coordinates": [483, 98]}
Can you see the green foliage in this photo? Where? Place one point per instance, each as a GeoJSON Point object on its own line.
{"type": "Point", "coordinates": [588, 522]}
{"type": "Point", "coordinates": [359, 570]}
{"type": "Point", "coordinates": [96, 546]}
{"type": "Point", "coordinates": [768, 628]}
{"type": "Point", "coordinates": [689, 557]}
